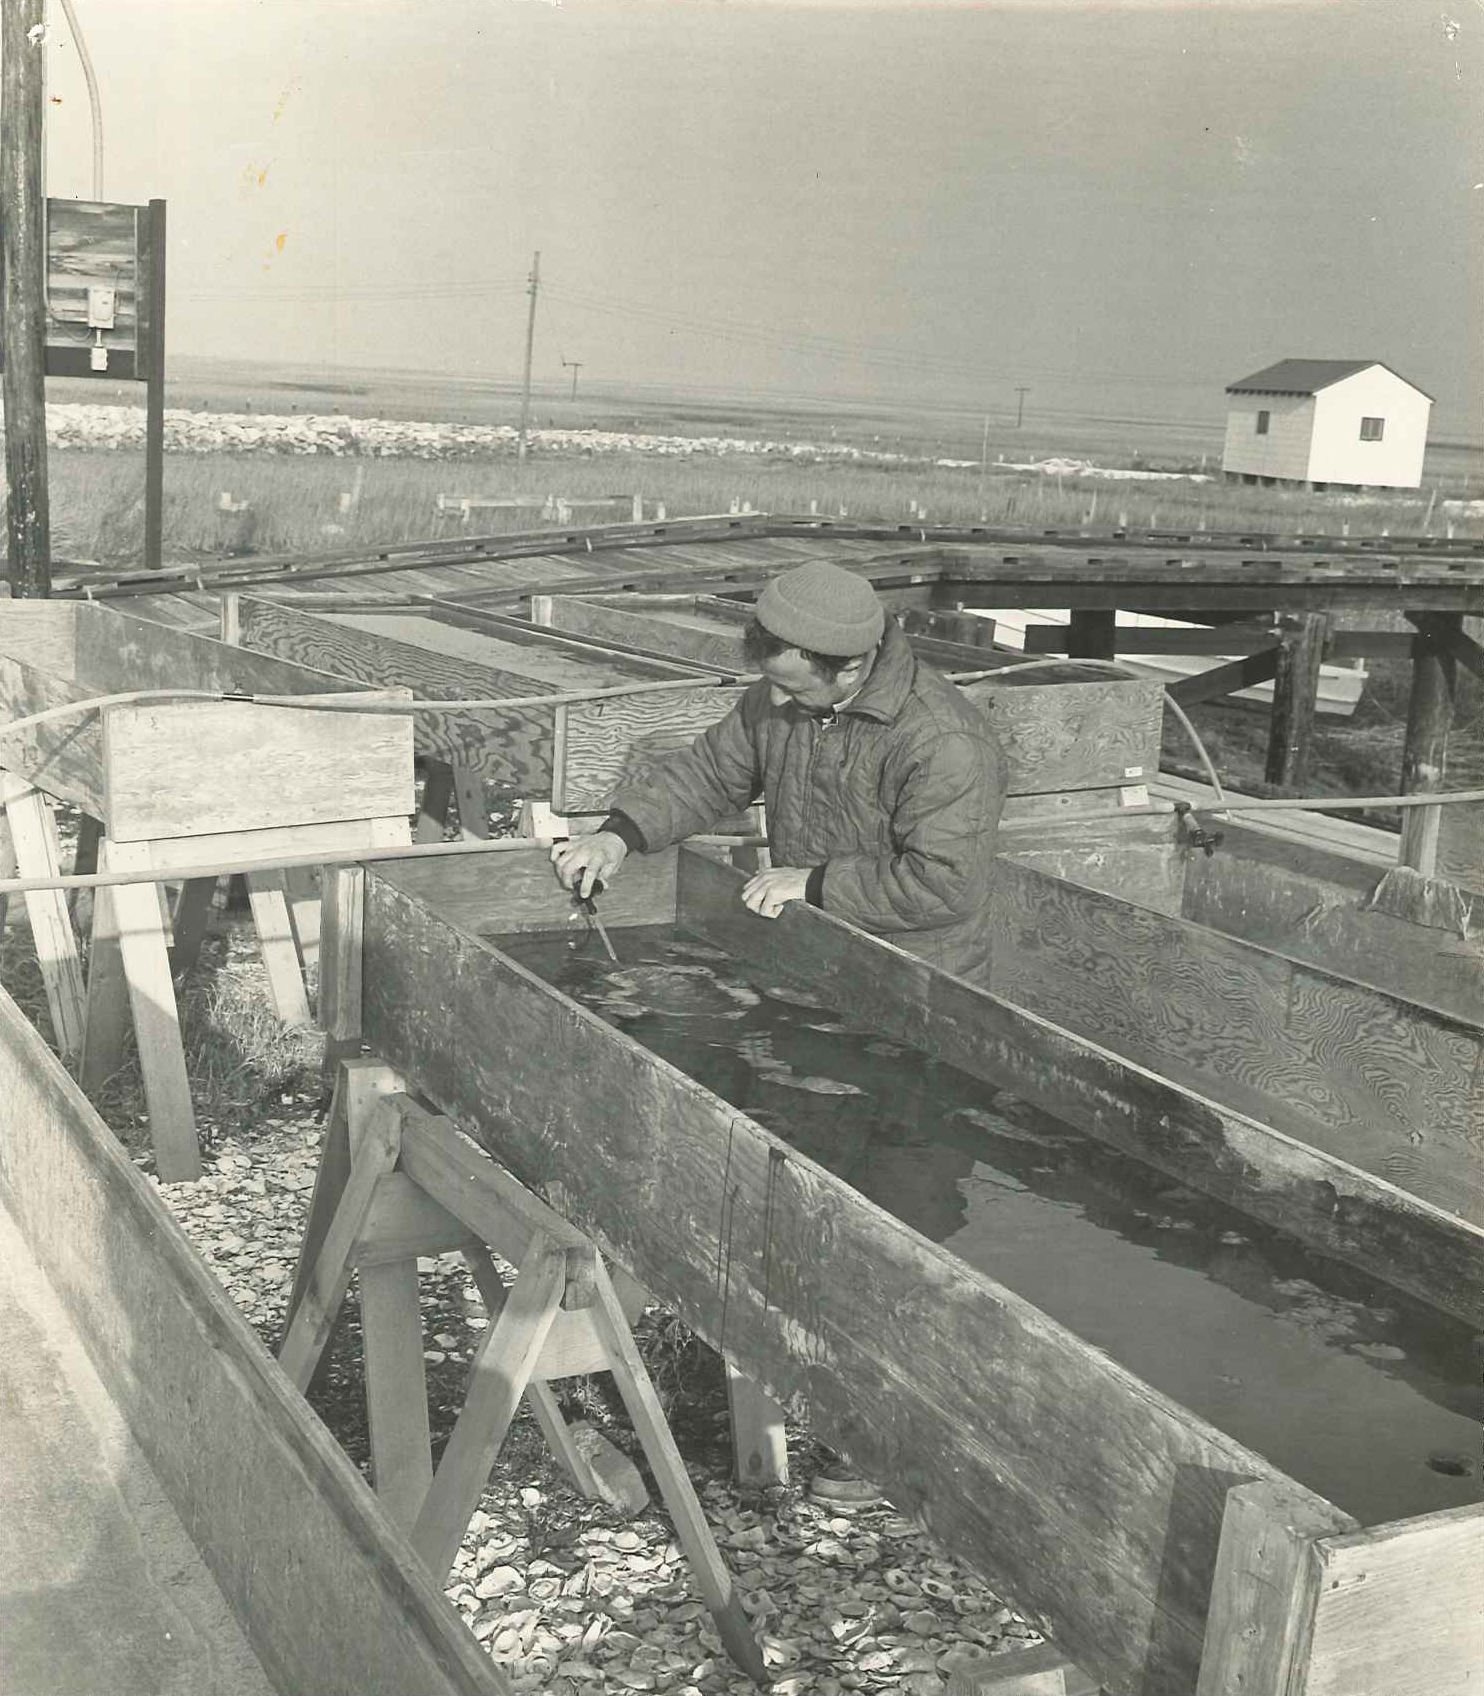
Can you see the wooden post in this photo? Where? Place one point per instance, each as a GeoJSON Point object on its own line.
{"type": "Point", "coordinates": [154, 395]}
{"type": "Point", "coordinates": [231, 615]}
{"type": "Point", "coordinates": [23, 306]}
{"type": "Point", "coordinates": [759, 1437]}
{"type": "Point", "coordinates": [1295, 693]}
{"type": "Point", "coordinates": [1424, 753]}
{"type": "Point", "coordinates": [1091, 633]}
{"type": "Point", "coordinates": [1264, 1591]}
{"type": "Point", "coordinates": [33, 836]}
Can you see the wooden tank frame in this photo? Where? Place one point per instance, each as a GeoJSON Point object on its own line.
{"type": "Point", "coordinates": [169, 787]}
{"type": "Point", "coordinates": [1162, 1555]}
{"type": "Point", "coordinates": [329, 1593]}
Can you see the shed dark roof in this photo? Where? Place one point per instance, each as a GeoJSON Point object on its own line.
{"type": "Point", "coordinates": [1307, 376]}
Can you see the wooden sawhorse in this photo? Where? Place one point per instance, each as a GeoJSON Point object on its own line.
{"type": "Point", "coordinates": [396, 1182]}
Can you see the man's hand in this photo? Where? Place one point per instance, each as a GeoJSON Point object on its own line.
{"type": "Point", "coordinates": [585, 860]}
{"type": "Point", "coordinates": [766, 893]}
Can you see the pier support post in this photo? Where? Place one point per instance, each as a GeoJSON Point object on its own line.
{"type": "Point", "coordinates": [1295, 696]}
{"type": "Point", "coordinates": [1424, 753]}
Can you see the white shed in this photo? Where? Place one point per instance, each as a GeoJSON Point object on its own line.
{"type": "Point", "coordinates": [1351, 422]}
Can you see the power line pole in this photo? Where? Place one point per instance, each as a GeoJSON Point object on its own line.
{"type": "Point", "coordinates": [525, 397]}
{"type": "Point", "coordinates": [1020, 395]}
{"type": "Point", "coordinates": [23, 253]}
{"type": "Point", "coordinates": [576, 365]}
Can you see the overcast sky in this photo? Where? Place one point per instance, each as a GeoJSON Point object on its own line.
{"type": "Point", "coordinates": [1123, 206]}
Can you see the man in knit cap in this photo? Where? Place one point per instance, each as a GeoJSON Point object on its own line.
{"type": "Point", "coordinates": [883, 785]}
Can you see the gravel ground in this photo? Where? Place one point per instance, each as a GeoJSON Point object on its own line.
{"type": "Point", "coordinates": [567, 1595]}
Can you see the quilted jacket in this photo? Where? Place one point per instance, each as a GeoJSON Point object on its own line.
{"type": "Point", "coordinates": [898, 800]}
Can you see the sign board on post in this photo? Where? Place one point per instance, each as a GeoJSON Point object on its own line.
{"type": "Point", "coordinates": [105, 314]}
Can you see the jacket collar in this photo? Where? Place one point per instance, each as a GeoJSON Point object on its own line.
{"type": "Point", "coordinates": [884, 693]}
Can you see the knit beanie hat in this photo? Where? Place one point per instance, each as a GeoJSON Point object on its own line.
{"type": "Point", "coordinates": [824, 608]}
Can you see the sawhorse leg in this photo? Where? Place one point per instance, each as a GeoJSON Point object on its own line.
{"type": "Point", "coordinates": [33, 835]}
{"type": "Point", "coordinates": [280, 945]}
{"type": "Point", "coordinates": [135, 911]}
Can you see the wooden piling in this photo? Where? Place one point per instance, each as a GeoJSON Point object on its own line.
{"type": "Point", "coordinates": [1424, 753]}
{"type": "Point", "coordinates": [23, 257]}
{"type": "Point", "coordinates": [1295, 695]}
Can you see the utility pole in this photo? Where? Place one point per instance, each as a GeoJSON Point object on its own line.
{"type": "Point", "coordinates": [1020, 395]}
{"type": "Point", "coordinates": [525, 395]}
{"type": "Point", "coordinates": [575, 365]}
{"type": "Point", "coordinates": [23, 253]}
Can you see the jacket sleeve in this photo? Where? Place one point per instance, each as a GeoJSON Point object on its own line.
{"type": "Point", "coordinates": [678, 794]}
{"type": "Point", "coordinates": [944, 823]}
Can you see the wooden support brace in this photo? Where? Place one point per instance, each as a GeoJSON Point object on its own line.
{"type": "Point", "coordinates": [7, 864]}
{"type": "Point", "coordinates": [106, 1024]}
{"type": "Point", "coordinates": [1220, 680]}
{"type": "Point", "coordinates": [474, 817]}
{"type": "Point", "coordinates": [302, 890]}
{"type": "Point", "coordinates": [33, 835]}
{"type": "Point", "coordinates": [359, 1085]}
{"type": "Point", "coordinates": [501, 1370]}
{"type": "Point", "coordinates": [275, 927]}
{"type": "Point", "coordinates": [432, 815]}
{"type": "Point", "coordinates": [396, 1386]}
{"type": "Point", "coordinates": [325, 1286]}
{"type": "Point", "coordinates": [190, 922]}
{"type": "Point", "coordinates": [712, 1577]}
{"type": "Point", "coordinates": [146, 969]}
{"type": "Point", "coordinates": [759, 1441]}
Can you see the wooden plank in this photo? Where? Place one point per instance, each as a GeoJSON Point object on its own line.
{"type": "Point", "coordinates": [330, 1596]}
{"type": "Point", "coordinates": [511, 746]}
{"type": "Point", "coordinates": [1383, 1084]}
{"type": "Point", "coordinates": [340, 968]}
{"type": "Point", "coordinates": [324, 1288]}
{"type": "Point", "coordinates": [1231, 639]}
{"type": "Point", "coordinates": [233, 766]}
{"type": "Point", "coordinates": [146, 967]}
{"type": "Point", "coordinates": [279, 946]}
{"type": "Point", "coordinates": [759, 1439]}
{"type": "Point", "coordinates": [189, 923]}
{"type": "Point", "coordinates": [1398, 1612]}
{"type": "Point", "coordinates": [608, 742]}
{"type": "Point", "coordinates": [1311, 904]}
{"type": "Point", "coordinates": [117, 651]}
{"type": "Point", "coordinates": [1060, 736]}
{"type": "Point", "coordinates": [1094, 1500]}
{"type": "Point", "coordinates": [33, 835]}
{"type": "Point", "coordinates": [1263, 1594]}
{"type": "Point", "coordinates": [1222, 680]}
{"type": "Point", "coordinates": [107, 1018]}
{"type": "Point", "coordinates": [432, 812]}
{"type": "Point", "coordinates": [657, 631]}
{"type": "Point", "coordinates": [1349, 1213]}
{"type": "Point", "coordinates": [1038, 1671]}
{"type": "Point", "coordinates": [522, 894]}
{"type": "Point", "coordinates": [396, 1386]}
{"type": "Point", "coordinates": [498, 1375]}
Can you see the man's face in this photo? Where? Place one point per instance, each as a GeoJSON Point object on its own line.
{"type": "Point", "coordinates": [793, 678]}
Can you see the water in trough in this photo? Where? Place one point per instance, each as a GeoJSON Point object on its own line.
{"type": "Point", "coordinates": [1364, 1394]}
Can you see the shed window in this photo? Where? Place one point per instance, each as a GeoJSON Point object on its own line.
{"type": "Point", "coordinates": [1262, 422]}
{"type": "Point", "coordinates": [1372, 429]}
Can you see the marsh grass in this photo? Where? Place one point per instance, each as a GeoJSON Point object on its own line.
{"type": "Point", "coordinates": [293, 503]}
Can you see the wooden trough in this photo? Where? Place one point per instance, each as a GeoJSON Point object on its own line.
{"type": "Point", "coordinates": [168, 787]}
{"type": "Point", "coordinates": [327, 1592]}
{"type": "Point", "coordinates": [1155, 1549]}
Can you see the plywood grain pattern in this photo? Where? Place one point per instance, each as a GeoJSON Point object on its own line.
{"type": "Point", "coordinates": [1350, 1213]}
{"type": "Point", "coordinates": [91, 242]}
{"type": "Point", "coordinates": [509, 745]}
{"type": "Point", "coordinates": [1365, 1076]}
{"type": "Point", "coordinates": [42, 635]}
{"type": "Point", "coordinates": [204, 766]}
{"type": "Point", "coordinates": [64, 756]}
{"type": "Point", "coordinates": [331, 1598]}
{"type": "Point", "coordinates": [519, 892]}
{"type": "Point", "coordinates": [1095, 1501]}
{"type": "Point", "coordinates": [1399, 1611]}
{"type": "Point", "coordinates": [608, 742]}
{"type": "Point", "coordinates": [1314, 906]}
{"type": "Point", "coordinates": [116, 651]}
{"type": "Point", "coordinates": [1073, 735]}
